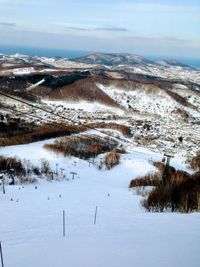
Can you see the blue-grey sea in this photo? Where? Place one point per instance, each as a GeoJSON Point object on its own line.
{"type": "Point", "coordinates": [192, 62]}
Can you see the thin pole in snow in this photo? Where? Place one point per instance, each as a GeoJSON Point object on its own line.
{"type": "Point", "coordinates": [95, 216]}
{"type": "Point", "coordinates": [73, 175]}
{"type": "Point", "coordinates": [63, 223]}
{"type": "Point", "coordinates": [3, 183]}
{"type": "Point", "coordinates": [1, 252]}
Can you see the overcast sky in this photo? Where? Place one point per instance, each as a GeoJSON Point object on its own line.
{"type": "Point", "coordinates": [169, 28]}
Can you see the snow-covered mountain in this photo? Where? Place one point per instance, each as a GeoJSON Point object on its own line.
{"type": "Point", "coordinates": [58, 118]}
{"type": "Point", "coordinates": [113, 59]}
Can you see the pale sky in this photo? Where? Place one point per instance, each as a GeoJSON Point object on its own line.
{"type": "Point", "coordinates": [167, 28]}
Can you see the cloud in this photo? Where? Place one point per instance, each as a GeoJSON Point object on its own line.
{"type": "Point", "coordinates": [77, 29]}
{"type": "Point", "coordinates": [7, 24]}
{"type": "Point", "coordinates": [111, 29]}
{"type": "Point", "coordinates": [103, 29]}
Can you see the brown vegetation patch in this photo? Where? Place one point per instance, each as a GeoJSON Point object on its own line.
{"type": "Point", "coordinates": [111, 159]}
{"type": "Point", "coordinates": [35, 133]}
{"type": "Point", "coordinates": [180, 99]}
{"type": "Point", "coordinates": [125, 130]}
{"type": "Point", "coordinates": [18, 131]}
{"type": "Point", "coordinates": [84, 89]}
{"type": "Point", "coordinates": [182, 197]}
{"type": "Point", "coordinates": [181, 112]}
{"type": "Point", "coordinates": [82, 146]}
{"type": "Point", "coordinates": [174, 176]}
{"type": "Point", "coordinates": [180, 192]}
{"type": "Point", "coordinates": [195, 162]}
{"type": "Point", "coordinates": [11, 166]}
{"type": "Point", "coordinates": [151, 179]}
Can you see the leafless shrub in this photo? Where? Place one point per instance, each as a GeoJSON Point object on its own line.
{"type": "Point", "coordinates": [182, 197]}
{"type": "Point", "coordinates": [181, 192]}
{"type": "Point", "coordinates": [158, 199]}
{"type": "Point", "coordinates": [111, 159]}
{"type": "Point", "coordinates": [12, 165]}
{"type": "Point", "coordinates": [27, 180]}
{"type": "Point", "coordinates": [36, 170]}
{"type": "Point", "coordinates": [45, 168]}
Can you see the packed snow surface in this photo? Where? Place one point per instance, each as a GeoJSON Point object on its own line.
{"type": "Point", "coordinates": [124, 234]}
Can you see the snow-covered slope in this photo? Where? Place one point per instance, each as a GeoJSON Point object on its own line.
{"type": "Point", "coordinates": [31, 225]}
{"type": "Point", "coordinates": [154, 102]}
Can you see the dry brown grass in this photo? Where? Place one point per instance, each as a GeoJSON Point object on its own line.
{"type": "Point", "coordinates": [183, 196]}
{"type": "Point", "coordinates": [38, 133]}
{"type": "Point", "coordinates": [174, 176]}
{"type": "Point", "coordinates": [180, 192]}
{"type": "Point", "coordinates": [195, 162]}
{"type": "Point", "coordinates": [151, 179]}
{"type": "Point", "coordinates": [20, 132]}
{"type": "Point", "coordinates": [125, 130]}
{"type": "Point", "coordinates": [111, 159]}
{"type": "Point", "coordinates": [82, 146]}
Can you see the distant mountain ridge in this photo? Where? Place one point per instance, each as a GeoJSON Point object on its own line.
{"type": "Point", "coordinates": [97, 58]}
{"type": "Point", "coordinates": [114, 59]}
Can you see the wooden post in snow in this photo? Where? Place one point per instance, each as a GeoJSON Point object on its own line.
{"type": "Point", "coordinates": [166, 169]}
{"type": "Point", "coordinates": [73, 175]}
{"type": "Point", "coordinates": [95, 215]}
{"type": "Point", "coordinates": [3, 183]}
{"type": "Point", "coordinates": [1, 253]}
{"type": "Point", "coordinates": [61, 171]}
{"type": "Point", "coordinates": [63, 223]}
{"type": "Point", "coordinates": [51, 175]}
{"type": "Point", "coordinates": [57, 169]}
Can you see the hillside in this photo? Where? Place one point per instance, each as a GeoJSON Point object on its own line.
{"type": "Point", "coordinates": [84, 146]}
{"type": "Point", "coordinates": [122, 231]}
{"type": "Point", "coordinates": [134, 96]}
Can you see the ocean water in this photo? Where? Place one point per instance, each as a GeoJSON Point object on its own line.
{"type": "Point", "coordinates": [33, 51]}
{"type": "Point", "coordinates": [192, 62]}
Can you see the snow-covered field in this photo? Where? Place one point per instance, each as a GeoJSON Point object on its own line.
{"type": "Point", "coordinates": [124, 234]}
{"type": "Point", "coordinates": [85, 106]}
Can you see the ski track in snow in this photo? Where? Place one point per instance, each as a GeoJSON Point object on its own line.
{"type": "Point", "coordinates": [124, 235]}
